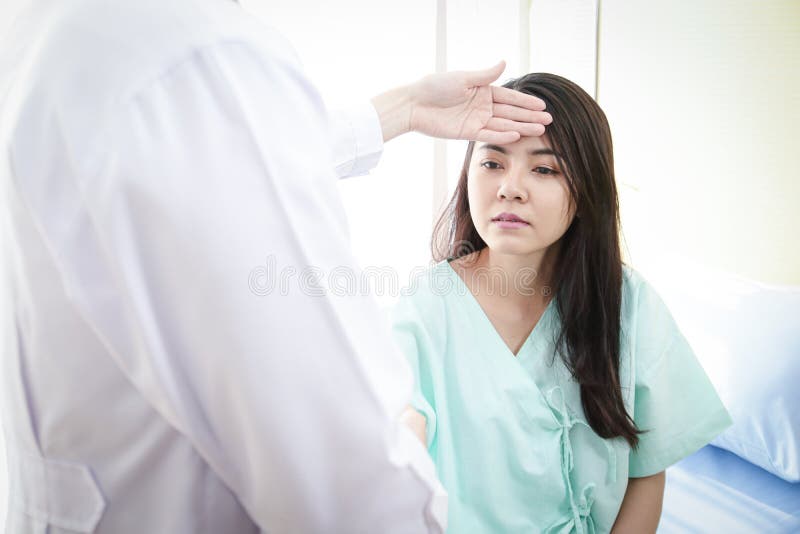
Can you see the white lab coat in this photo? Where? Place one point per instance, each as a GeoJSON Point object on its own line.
{"type": "Point", "coordinates": [156, 154]}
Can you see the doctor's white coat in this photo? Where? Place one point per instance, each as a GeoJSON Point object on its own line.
{"type": "Point", "coordinates": [155, 153]}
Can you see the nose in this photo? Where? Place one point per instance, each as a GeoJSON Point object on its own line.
{"type": "Point", "coordinates": [511, 187]}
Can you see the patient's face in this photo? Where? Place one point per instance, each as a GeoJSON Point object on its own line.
{"type": "Point", "coordinates": [523, 179]}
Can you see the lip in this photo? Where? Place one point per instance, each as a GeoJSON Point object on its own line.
{"type": "Point", "coordinates": [509, 220]}
{"type": "Point", "coordinates": [505, 216]}
{"type": "Point", "coordinates": [510, 225]}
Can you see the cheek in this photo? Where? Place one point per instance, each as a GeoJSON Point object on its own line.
{"type": "Point", "coordinates": [564, 208]}
{"type": "Point", "coordinates": [555, 202]}
{"type": "Point", "coordinates": [477, 193]}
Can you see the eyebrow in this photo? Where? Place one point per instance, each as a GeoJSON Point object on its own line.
{"type": "Point", "coordinates": [537, 152]}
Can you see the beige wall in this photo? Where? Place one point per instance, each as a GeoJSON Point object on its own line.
{"type": "Point", "coordinates": [703, 98]}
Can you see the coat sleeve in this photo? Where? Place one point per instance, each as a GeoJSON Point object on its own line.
{"type": "Point", "coordinates": [356, 138]}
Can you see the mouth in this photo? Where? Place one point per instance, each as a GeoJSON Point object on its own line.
{"type": "Point", "coordinates": [510, 218]}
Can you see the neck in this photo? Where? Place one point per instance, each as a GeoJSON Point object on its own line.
{"type": "Point", "coordinates": [528, 276]}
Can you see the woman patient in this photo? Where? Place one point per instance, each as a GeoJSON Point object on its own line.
{"type": "Point", "coordinates": [553, 385]}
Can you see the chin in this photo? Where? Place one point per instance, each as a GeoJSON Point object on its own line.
{"type": "Point", "coordinates": [507, 246]}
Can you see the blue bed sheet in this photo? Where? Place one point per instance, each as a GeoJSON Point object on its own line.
{"type": "Point", "coordinates": [715, 491]}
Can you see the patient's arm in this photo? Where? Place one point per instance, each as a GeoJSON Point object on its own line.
{"type": "Point", "coordinates": [641, 507]}
{"type": "Point", "coordinates": [416, 422]}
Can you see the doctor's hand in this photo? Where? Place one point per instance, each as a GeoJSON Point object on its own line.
{"type": "Point", "coordinates": [416, 422]}
{"type": "Point", "coordinates": [461, 105]}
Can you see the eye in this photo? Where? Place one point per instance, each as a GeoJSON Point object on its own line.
{"type": "Point", "coordinates": [492, 165]}
{"type": "Point", "coordinates": [545, 170]}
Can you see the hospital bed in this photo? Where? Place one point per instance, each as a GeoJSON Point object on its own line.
{"type": "Point", "coordinates": [714, 491]}
{"type": "Point", "coordinates": [746, 334]}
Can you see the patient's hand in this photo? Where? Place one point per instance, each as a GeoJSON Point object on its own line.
{"type": "Point", "coordinates": [461, 105]}
{"type": "Point", "coordinates": [416, 422]}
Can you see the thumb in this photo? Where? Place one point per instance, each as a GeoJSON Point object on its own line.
{"type": "Point", "coordinates": [485, 76]}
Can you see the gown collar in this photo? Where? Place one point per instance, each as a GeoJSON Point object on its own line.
{"type": "Point", "coordinates": [536, 332]}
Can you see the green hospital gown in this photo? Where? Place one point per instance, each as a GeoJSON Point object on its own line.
{"type": "Point", "coordinates": [508, 434]}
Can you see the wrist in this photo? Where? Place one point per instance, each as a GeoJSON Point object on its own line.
{"type": "Point", "coordinates": [394, 109]}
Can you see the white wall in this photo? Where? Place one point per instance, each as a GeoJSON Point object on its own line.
{"type": "Point", "coordinates": [354, 49]}
{"type": "Point", "coordinates": [704, 102]}
{"type": "Point", "coordinates": [703, 99]}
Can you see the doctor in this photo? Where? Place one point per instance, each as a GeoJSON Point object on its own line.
{"type": "Point", "coordinates": [154, 153]}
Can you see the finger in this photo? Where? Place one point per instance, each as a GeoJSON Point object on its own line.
{"type": "Point", "coordinates": [485, 76]}
{"type": "Point", "coordinates": [504, 95]}
{"type": "Point", "coordinates": [497, 138]}
{"type": "Point", "coordinates": [506, 125]}
{"type": "Point", "coordinates": [507, 111]}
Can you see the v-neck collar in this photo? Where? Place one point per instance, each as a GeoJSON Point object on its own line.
{"type": "Point", "coordinates": [481, 313]}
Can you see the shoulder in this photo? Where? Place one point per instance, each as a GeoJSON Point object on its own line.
{"type": "Point", "coordinates": [82, 61]}
{"type": "Point", "coordinates": [641, 302]}
{"type": "Point", "coordinates": [424, 300]}
{"type": "Point", "coordinates": [130, 40]}
{"type": "Point", "coordinates": [632, 281]}
{"type": "Point", "coordinates": [647, 326]}
{"type": "Point", "coordinates": [429, 284]}
{"type": "Point", "coordinates": [639, 297]}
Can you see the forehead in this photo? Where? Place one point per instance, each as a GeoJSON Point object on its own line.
{"type": "Point", "coordinates": [524, 146]}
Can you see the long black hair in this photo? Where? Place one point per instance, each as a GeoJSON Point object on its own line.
{"type": "Point", "coordinates": [587, 277]}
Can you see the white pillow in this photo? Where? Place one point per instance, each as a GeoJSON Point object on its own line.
{"type": "Point", "coordinates": [747, 337]}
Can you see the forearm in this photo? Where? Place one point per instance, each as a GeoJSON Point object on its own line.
{"type": "Point", "coordinates": [641, 506]}
{"type": "Point", "coordinates": [416, 422]}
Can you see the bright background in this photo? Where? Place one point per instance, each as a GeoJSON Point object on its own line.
{"type": "Point", "coordinates": [703, 100]}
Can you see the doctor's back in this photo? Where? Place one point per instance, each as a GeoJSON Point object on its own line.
{"type": "Point", "coordinates": [150, 159]}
